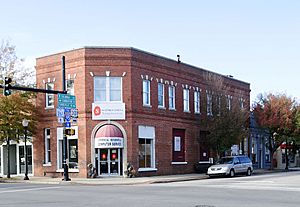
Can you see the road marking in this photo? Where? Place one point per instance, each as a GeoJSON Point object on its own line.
{"type": "Point", "coordinates": [28, 189]}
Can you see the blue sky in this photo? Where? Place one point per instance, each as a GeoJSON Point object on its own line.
{"type": "Point", "coordinates": [256, 41]}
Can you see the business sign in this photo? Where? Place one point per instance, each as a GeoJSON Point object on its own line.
{"type": "Point", "coordinates": [109, 142]}
{"type": "Point", "coordinates": [108, 111]}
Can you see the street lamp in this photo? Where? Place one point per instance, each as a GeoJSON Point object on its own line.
{"type": "Point", "coordinates": [25, 125]}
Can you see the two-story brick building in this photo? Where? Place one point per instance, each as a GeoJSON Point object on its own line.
{"type": "Point", "coordinates": [133, 106]}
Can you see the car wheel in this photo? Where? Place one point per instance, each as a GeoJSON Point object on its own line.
{"type": "Point", "coordinates": [249, 172]}
{"type": "Point", "coordinates": [232, 173]}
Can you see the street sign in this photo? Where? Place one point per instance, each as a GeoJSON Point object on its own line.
{"type": "Point", "coordinates": [66, 101]}
{"type": "Point", "coordinates": [60, 120]}
{"type": "Point", "coordinates": [68, 124]}
{"type": "Point", "coordinates": [68, 118]}
{"type": "Point", "coordinates": [74, 113]}
{"type": "Point", "coordinates": [60, 112]}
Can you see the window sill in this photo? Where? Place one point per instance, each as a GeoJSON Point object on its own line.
{"type": "Point", "coordinates": [47, 164]}
{"type": "Point", "coordinates": [197, 113]}
{"type": "Point", "coordinates": [187, 111]}
{"type": "Point", "coordinates": [70, 170]}
{"type": "Point", "coordinates": [179, 163]}
{"type": "Point", "coordinates": [147, 106]}
{"type": "Point", "coordinates": [49, 107]}
{"type": "Point", "coordinates": [162, 107]}
{"type": "Point", "coordinates": [172, 109]}
{"type": "Point", "coordinates": [147, 169]}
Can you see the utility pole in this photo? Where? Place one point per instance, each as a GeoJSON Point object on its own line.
{"type": "Point", "coordinates": [65, 145]}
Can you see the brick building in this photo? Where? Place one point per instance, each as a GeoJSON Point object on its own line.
{"type": "Point", "coordinates": [133, 106]}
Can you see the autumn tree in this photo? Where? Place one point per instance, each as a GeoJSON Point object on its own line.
{"type": "Point", "coordinates": [14, 108]}
{"type": "Point", "coordinates": [226, 123]}
{"type": "Point", "coordinates": [278, 114]}
{"type": "Point", "coordinates": [12, 66]}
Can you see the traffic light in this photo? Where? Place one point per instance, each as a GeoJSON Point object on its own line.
{"type": "Point", "coordinates": [7, 86]}
{"type": "Point", "coordinates": [70, 132]}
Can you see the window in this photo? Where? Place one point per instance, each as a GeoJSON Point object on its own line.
{"type": "Point", "coordinates": [70, 86]}
{"type": "Point", "coordinates": [228, 102]}
{"type": "Point", "coordinates": [161, 95]}
{"type": "Point", "coordinates": [197, 102]}
{"type": "Point", "coordinates": [146, 147]}
{"type": "Point", "coordinates": [172, 97]}
{"type": "Point", "coordinates": [49, 97]}
{"type": "Point", "coordinates": [146, 92]}
{"type": "Point", "coordinates": [209, 104]}
{"type": "Point", "coordinates": [107, 89]}
{"type": "Point", "coordinates": [242, 105]}
{"type": "Point", "coordinates": [218, 102]}
{"type": "Point", "coordinates": [47, 146]}
{"type": "Point", "coordinates": [72, 149]}
{"type": "Point", "coordinates": [186, 100]}
{"type": "Point", "coordinates": [178, 145]}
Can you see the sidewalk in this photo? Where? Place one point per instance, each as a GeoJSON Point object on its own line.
{"type": "Point", "coordinates": [125, 181]}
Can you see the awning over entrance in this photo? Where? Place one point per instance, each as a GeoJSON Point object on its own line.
{"type": "Point", "coordinates": [109, 136]}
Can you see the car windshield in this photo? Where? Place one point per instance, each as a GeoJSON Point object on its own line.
{"type": "Point", "coordinates": [225, 160]}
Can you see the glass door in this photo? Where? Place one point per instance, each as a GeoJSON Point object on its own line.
{"type": "Point", "coordinates": [108, 162]}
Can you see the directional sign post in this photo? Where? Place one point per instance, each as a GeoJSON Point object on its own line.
{"type": "Point", "coordinates": [66, 101]}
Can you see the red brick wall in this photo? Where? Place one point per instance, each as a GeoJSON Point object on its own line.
{"type": "Point", "coordinates": [134, 64]}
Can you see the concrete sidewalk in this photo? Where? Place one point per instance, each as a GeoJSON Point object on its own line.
{"type": "Point", "coordinates": [125, 181]}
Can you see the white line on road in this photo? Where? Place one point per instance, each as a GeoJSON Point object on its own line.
{"type": "Point", "coordinates": [28, 189]}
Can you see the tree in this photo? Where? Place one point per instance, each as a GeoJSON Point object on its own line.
{"type": "Point", "coordinates": [13, 67]}
{"type": "Point", "coordinates": [227, 125]}
{"type": "Point", "coordinates": [278, 114]}
{"type": "Point", "coordinates": [13, 109]}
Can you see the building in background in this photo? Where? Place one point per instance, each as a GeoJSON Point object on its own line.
{"type": "Point", "coordinates": [134, 107]}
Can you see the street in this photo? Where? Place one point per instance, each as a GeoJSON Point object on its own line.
{"type": "Point", "coordinates": [276, 189]}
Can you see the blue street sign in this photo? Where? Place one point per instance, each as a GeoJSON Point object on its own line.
{"type": "Point", "coordinates": [60, 112]}
{"type": "Point", "coordinates": [67, 117]}
{"type": "Point", "coordinates": [68, 124]}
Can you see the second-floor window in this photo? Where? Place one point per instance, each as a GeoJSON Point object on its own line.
{"type": "Point", "coordinates": [209, 104]}
{"type": "Point", "coordinates": [161, 95]}
{"type": "Point", "coordinates": [70, 86]}
{"type": "Point", "coordinates": [171, 97]}
{"type": "Point", "coordinates": [146, 92]}
{"type": "Point", "coordinates": [186, 100]}
{"type": "Point", "coordinates": [107, 89]}
{"type": "Point", "coordinates": [228, 100]}
{"type": "Point", "coordinates": [197, 102]}
{"type": "Point", "coordinates": [49, 96]}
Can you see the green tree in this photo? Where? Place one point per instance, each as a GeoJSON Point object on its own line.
{"type": "Point", "coordinates": [278, 114]}
{"type": "Point", "coordinates": [13, 109]}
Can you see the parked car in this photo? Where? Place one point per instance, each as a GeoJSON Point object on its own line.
{"type": "Point", "coordinates": [230, 166]}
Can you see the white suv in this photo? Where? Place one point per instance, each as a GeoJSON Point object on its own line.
{"type": "Point", "coordinates": [230, 166]}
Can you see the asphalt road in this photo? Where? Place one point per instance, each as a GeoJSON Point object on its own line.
{"type": "Point", "coordinates": [278, 189]}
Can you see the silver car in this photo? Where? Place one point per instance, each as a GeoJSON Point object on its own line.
{"type": "Point", "coordinates": [231, 166]}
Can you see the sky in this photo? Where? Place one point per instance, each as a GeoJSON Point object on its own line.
{"type": "Point", "coordinates": [255, 41]}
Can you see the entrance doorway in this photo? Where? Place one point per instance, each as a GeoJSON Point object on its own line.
{"type": "Point", "coordinates": [108, 162]}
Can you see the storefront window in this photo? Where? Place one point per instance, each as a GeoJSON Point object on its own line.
{"type": "Point", "coordinates": [146, 147]}
{"type": "Point", "coordinates": [22, 159]}
{"type": "Point", "coordinates": [72, 148]}
{"type": "Point", "coordinates": [144, 153]}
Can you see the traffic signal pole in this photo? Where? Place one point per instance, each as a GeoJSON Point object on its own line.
{"type": "Point", "coordinates": [65, 145]}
